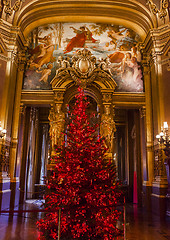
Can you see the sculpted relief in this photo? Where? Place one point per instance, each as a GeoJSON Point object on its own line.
{"type": "Point", "coordinates": [57, 122]}
{"type": "Point", "coordinates": [107, 128]}
{"type": "Point", "coordinates": [114, 47]}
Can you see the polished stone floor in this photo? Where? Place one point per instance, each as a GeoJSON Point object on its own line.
{"type": "Point", "coordinates": [140, 225]}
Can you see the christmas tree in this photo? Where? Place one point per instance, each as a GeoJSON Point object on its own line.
{"type": "Point", "coordinates": [83, 185]}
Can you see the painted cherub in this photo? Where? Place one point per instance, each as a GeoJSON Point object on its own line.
{"type": "Point", "coordinates": [45, 73]}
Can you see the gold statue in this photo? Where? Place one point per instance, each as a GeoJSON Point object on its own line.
{"type": "Point", "coordinates": [107, 128]}
{"type": "Point", "coordinates": [57, 120]}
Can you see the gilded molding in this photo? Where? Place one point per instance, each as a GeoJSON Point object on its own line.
{"type": "Point", "coordinates": [162, 13]}
{"type": "Point", "coordinates": [38, 13]}
{"type": "Point", "coordinates": [8, 9]}
{"type": "Point", "coordinates": [131, 100]}
{"type": "Point", "coordinates": [4, 58]}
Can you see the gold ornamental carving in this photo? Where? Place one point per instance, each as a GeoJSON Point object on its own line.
{"type": "Point", "coordinates": [142, 111]}
{"type": "Point", "coordinates": [107, 97]}
{"type": "Point", "coordinates": [8, 9]}
{"type": "Point", "coordinates": [22, 109]}
{"type": "Point", "coordinates": [162, 13]}
{"type": "Point", "coordinates": [107, 128]}
{"type": "Point", "coordinates": [57, 123]}
{"type": "Point", "coordinates": [18, 57]}
{"type": "Point", "coordinates": [59, 96]}
{"type": "Point", "coordinates": [83, 69]}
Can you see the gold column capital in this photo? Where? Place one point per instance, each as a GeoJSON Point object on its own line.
{"type": "Point", "coordinates": [107, 96]}
{"type": "Point", "coordinates": [22, 109]}
{"type": "Point", "coordinates": [59, 95]}
{"type": "Point", "coordinates": [142, 111]}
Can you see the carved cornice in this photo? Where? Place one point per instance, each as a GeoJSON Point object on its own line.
{"type": "Point", "coordinates": [44, 97]}
{"type": "Point", "coordinates": [156, 42]}
{"type": "Point", "coordinates": [12, 36]}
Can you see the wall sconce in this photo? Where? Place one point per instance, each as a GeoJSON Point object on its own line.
{"type": "Point", "coordinates": [2, 132]}
{"type": "Point", "coordinates": [163, 137]}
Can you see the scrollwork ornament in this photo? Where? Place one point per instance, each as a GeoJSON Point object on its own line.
{"type": "Point", "coordinates": [153, 7]}
{"type": "Point", "coordinates": [162, 13]}
{"type": "Point", "coordinates": [165, 4]}
{"type": "Point", "coordinates": [7, 6]}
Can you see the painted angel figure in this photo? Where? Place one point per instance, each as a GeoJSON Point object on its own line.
{"type": "Point", "coordinates": [45, 73]}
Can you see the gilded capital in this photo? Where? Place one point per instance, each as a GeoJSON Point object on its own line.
{"type": "Point", "coordinates": [142, 111]}
{"type": "Point", "coordinates": [59, 96]}
{"type": "Point", "coordinates": [22, 109]}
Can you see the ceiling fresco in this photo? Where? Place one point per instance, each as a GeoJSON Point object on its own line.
{"type": "Point", "coordinates": [114, 44]}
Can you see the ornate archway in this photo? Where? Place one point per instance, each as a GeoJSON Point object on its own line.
{"type": "Point", "coordinates": [97, 81]}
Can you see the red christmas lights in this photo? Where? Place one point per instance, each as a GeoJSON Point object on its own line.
{"type": "Point", "coordinates": [83, 185]}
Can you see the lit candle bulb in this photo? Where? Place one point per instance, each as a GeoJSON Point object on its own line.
{"type": "Point", "coordinates": [161, 134]}
{"type": "Point", "coordinates": [165, 125]}
{"type": "Point", "coordinates": [4, 131]}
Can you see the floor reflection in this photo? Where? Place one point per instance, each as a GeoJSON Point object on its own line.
{"type": "Point", "coordinates": [140, 224]}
